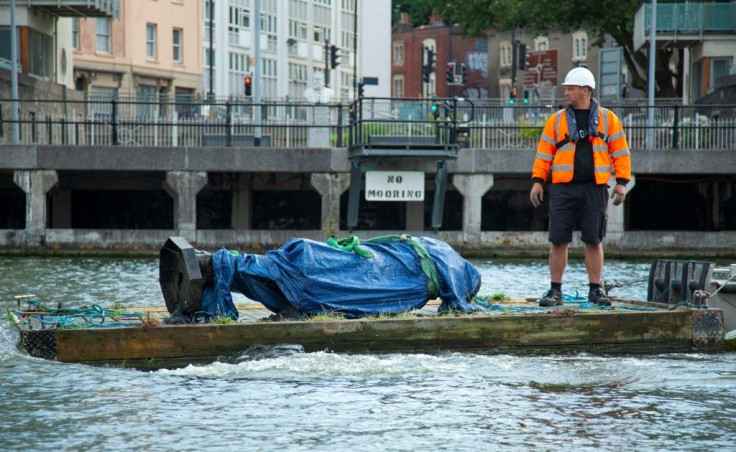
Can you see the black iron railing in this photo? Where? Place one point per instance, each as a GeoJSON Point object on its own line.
{"type": "Point", "coordinates": [485, 124]}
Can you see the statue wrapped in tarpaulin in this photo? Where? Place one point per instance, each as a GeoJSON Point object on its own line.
{"type": "Point", "coordinates": [384, 275]}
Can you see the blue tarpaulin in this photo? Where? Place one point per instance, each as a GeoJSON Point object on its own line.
{"type": "Point", "coordinates": [386, 276]}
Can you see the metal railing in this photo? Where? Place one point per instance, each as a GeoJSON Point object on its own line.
{"type": "Point", "coordinates": [484, 124]}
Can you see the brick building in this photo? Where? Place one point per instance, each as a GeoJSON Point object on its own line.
{"type": "Point", "coordinates": [407, 59]}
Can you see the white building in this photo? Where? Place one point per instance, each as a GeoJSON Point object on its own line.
{"type": "Point", "coordinates": [292, 46]}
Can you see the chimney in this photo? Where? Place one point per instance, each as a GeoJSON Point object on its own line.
{"type": "Point", "coordinates": [435, 20]}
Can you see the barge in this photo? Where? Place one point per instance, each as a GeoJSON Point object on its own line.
{"type": "Point", "coordinates": [677, 318]}
{"type": "Point", "coordinates": [513, 326]}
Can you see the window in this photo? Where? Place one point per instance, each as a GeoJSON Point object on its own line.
{"type": "Point", "coordinates": [146, 98]}
{"type": "Point", "coordinates": [298, 29]}
{"type": "Point", "coordinates": [5, 51]}
{"type": "Point", "coordinates": [719, 67]}
{"type": "Point", "coordinates": [504, 55]}
{"type": "Point", "coordinates": [297, 72]}
{"type": "Point", "coordinates": [101, 97]}
{"type": "Point", "coordinates": [239, 19]}
{"type": "Point", "coordinates": [398, 85]}
{"type": "Point", "coordinates": [269, 68]}
{"type": "Point", "coordinates": [541, 43]}
{"type": "Point", "coordinates": [209, 58]}
{"type": "Point", "coordinates": [102, 25]}
{"type": "Point", "coordinates": [75, 33]}
{"type": "Point", "coordinates": [40, 52]}
{"type": "Point", "coordinates": [268, 23]}
{"type": "Point", "coordinates": [322, 34]}
{"type": "Point", "coordinates": [176, 39]}
{"type": "Point", "coordinates": [579, 46]}
{"type": "Point", "coordinates": [151, 41]}
{"type": "Point", "coordinates": [398, 53]}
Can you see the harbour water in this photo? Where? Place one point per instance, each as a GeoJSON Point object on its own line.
{"type": "Point", "coordinates": [280, 398]}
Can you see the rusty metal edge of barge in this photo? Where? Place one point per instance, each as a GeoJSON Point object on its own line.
{"type": "Point", "coordinates": [561, 331]}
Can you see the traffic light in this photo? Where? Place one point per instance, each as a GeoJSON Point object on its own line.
{"type": "Point", "coordinates": [425, 74]}
{"type": "Point", "coordinates": [450, 76]}
{"type": "Point", "coordinates": [512, 95]}
{"type": "Point", "coordinates": [248, 82]}
{"type": "Point", "coordinates": [522, 56]}
{"type": "Point", "coordinates": [361, 93]}
{"type": "Point", "coordinates": [526, 96]}
{"type": "Point", "coordinates": [334, 56]}
{"type": "Point", "coordinates": [463, 74]}
{"type": "Point", "coordinates": [430, 59]}
{"type": "Point", "coordinates": [435, 111]}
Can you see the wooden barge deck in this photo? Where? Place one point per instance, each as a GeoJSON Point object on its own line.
{"type": "Point", "coordinates": [515, 326]}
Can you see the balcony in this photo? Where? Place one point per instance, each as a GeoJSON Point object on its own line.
{"type": "Point", "coordinates": [72, 8]}
{"type": "Point", "coordinates": [682, 24]}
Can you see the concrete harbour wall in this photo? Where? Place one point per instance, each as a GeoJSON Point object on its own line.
{"type": "Point", "coordinates": [35, 170]}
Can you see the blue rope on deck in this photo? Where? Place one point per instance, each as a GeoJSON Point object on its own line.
{"type": "Point", "coordinates": [92, 316]}
{"type": "Point", "coordinates": [567, 298]}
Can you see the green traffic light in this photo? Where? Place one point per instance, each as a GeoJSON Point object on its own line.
{"type": "Point", "coordinates": [434, 107]}
{"type": "Point", "coordinates": [511, 101]}
{"type": "Point", "coordinates": [526, 101]}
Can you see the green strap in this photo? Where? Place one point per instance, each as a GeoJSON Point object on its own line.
{"type": "Point", "coordinates": [352, 243]}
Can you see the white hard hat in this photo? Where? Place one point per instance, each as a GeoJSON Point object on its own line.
{"type": "Point", "coordinates": [580, 76]}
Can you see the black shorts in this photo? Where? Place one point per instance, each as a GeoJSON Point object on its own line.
{"type": "Point", "coordinates": [582, 205]}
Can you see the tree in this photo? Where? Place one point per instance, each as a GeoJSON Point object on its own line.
{"type": "Point", "coordinates": [614, 18]}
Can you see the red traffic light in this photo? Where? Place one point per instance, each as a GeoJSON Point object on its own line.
{"type": "Point", "coordinates": [248, 84]}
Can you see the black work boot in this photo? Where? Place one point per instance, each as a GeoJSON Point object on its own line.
{"type": "Point", "coordinates": [596, 296]}
{"type": "Point", "coordinates": [552, 297]}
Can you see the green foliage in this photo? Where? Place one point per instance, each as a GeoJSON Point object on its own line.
{"type": "Point", "coordinates": [419, 11]}
{"type": "Point", "coordinates": [500, 297]}
{"type": "Point", "coordinates": [326, 316]}
{"type": "Point", "coordinates": [222, 320]}
{"type": "Point", "coordinates": [530, 130]}
{"type": "Point", "coordinates": [600, 18]}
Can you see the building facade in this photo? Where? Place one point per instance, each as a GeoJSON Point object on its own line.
{"type": "Point", "coordinates": [296, 36]}
{"type": "Point", "coordinates": [44, 36]}
{"type": "Point", "coordinates": [151, 51]}
{"type": "Point", "coordinates": [452, 52]}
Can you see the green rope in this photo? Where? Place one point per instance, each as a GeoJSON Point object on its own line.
{"type": "Point", "coordinates": [352, 244]}
{"type": "Point", "coordinates": [92, 316]}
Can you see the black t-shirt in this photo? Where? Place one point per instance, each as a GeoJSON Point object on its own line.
{"type": "Point", "coordinates": [584, 170]}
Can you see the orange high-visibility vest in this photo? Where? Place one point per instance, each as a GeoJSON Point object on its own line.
{"type": "Point", "coordinates": [556, 149]}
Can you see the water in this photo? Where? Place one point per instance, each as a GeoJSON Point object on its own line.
{"type": "Point", "coordinates": [280, 398]}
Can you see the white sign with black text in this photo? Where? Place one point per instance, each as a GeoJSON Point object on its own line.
{"type": "Point", "coordinates": [394, 186]}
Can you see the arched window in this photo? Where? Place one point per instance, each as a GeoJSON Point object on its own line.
{"type": "Point", "coordinates": [504, 54]}
{"type": "Point", "coordinates": [541, 43]}
{"type": "Point", "coordinates": [579, 46]}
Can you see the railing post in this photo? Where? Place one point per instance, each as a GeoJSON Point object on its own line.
{"type": "Point", "coordinates": [114, 120]}
{"type": "Point", "coordinates": [228, 124]}
{"type": "Point", "coordinates": [175, 129]}
{"type": "Point", "coordinates": [33, 127]}
{"type": "Point", "coordinates": [339, 126]}
{"type": "Point", "coordinates": [676, 128]}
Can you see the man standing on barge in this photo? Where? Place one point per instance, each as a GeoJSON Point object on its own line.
{"type": "Point", "coordinates": [579, 144]}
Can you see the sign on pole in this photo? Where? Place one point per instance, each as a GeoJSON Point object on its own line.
{"type": "Point", "coordinates": [541, 69]}
{"type": "Point", "coordinates": [394, 186]}
{"type": "Point", "coordinates": [610, 72]}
